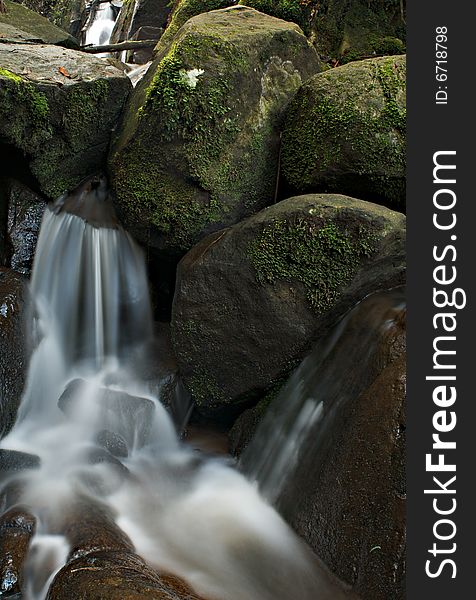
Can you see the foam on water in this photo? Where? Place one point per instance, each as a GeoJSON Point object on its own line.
{"type": "Point", "coordinates": [198, 518]}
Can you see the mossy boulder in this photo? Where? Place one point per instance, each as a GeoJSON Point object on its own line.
{"type": "Point", "coordinates": [21, 18]}
{"type": "Point", "coordinates": [183, 10]}
{"type": "Point", "coordinates": [356, 29]}
{"type": "Point", "coordinates": [251, 299]}
{"type": "Point", "coordinates": [58, 108]}
{"type": "Point", "coordinates": [200, 142]}
{"type": "Point", "coordinates": [345, 132]}
{"type": "Point", "coordinates": [296, 11]}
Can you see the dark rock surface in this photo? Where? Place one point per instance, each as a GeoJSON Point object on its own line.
{"type": "Point", "coordinates": [13, 346]}
{"type": "Point", "coordinates": [251, 300]}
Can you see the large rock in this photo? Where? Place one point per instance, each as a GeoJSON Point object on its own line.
{"type": "Point", "coordinates": [137, 14]}
{"type": "Point", "coordinates": [200, 142]}
{"type": "Point", "coordinates": [13, 351]}
{"type": "Point", "coordinates": [345, 133]}
{"type": "Point", "coordinates": [346, 495]}
{"type": "Point", "coordinates": [64, 13]}
{"type": "Point", "coordinates": [57, 109]}
{"type": "Point", "coordinates": [251, 299]}
{"type": "Point", "coordinates": [36, 26]}
{"type": "Point", "coordinates": [25, 213]}
{"type": "Point", "coordinates": [113, 575]}
{"type": "Point", "coordinates": [17, 527]}
{"type": "Point", "coordinates": [356, 29]}
{"type": "Point", "coordinates": [183, 10]}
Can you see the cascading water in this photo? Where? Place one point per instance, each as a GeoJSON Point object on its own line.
{"type": "Point", "coordinates": [198, 518]}
{"type": "Point", "coordinates": [99, 30]}
{"type": "Point", "coordinates": [298, 421]}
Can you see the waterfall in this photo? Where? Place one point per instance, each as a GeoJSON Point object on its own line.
{"type": "Point", "coordinates": [302, 415]}
{"type": "Point", "coordinates": [195, 517]}
{"type": "Point", "coordinates": [99, 30]}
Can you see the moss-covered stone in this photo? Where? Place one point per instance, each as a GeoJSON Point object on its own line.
{"type": "Point", "coordinates": [200, 139]}
{"type": "Point", "coordinates": [61, 122]}
{"type": "Point", "coordinates": [296, 11]}
{"type": "Point", "coordinates": [183, 10]}
{"type": "Point", "coordinates": [357, 29]}
{"type": "Point", "coordinates": [274, 283]}
{"type": "Point", "coordinates": [26, 20]}
{"type": "Point", "coordinates": [346, 132]}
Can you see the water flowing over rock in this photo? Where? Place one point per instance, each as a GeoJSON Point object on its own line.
{"type": "Point", "coordinates": [199, 146]}
{"type": "Point", "coordinates": [91, 323]}
{"type": "Point", "coordinates": [345, 132]}
{"type": "Point", "coordinates": [13, 350]}
{"type": "Point", "coordinates": [250, 300]}
{"type": "Point", "coordinates": [18, 22]}
{"type": "Point", "coordinates": [57, 110]}
{"type": "Point", "coordinates": [330, 450]}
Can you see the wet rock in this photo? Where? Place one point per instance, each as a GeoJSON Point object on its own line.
{"type": "Point", "coordinates": [113, 443]}
{"type": "Point", "coordinates": [89, 527]}
{"type": "Point", "coordinates": [113, 575]}
{"type": "Point", "coordinates": [57, 110]}
{"type": "Point", "coordinates": [144, 55]}
{"type": "Point", "coordinates": [345, 132]}
{"type": "Point", "coordinates": [13, 460]}
{"type": "Point", "coordinates": [204, 152]}
{"type": "Point", "coordinates": [140, 14]}
{"type": "Point", "coordinates": [274, 284]}
{"type": "Point", "coordinates": [17, 527]}
{"type": "Point", "coordinates": [34, 25]}
{"type": "Point", "coordinates": [347, 497]}
{"type": "Point", "coordinates": [13, 350]}
{"type": "Point", "coordinates": [128, 416]}
{"type": "Point", "coordinates": [25, 213]}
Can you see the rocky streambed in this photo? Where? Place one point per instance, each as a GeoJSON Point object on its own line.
{"type": "Point", "coordinates": [260, 164]}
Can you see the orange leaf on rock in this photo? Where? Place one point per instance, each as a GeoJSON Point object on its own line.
{"type": "Point", "coordinates": [64, 72]}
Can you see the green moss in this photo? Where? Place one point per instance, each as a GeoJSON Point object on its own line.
{"type": "Point", "coordinates": [204, 390]}
{"type": "Point", "coordinates": [83, 112]}
{"type": "Point", "coordinates": [24, 112]}
{"type": "Point", "coordinates": [171, 205]}
{"type": "Point", "coordinates": [323, 256]}
{"type": "Point", "coordinates": [295, 11]}
{"type": "Point", "coordinates": [187, 9]}
{"type": "Point", "coordinates": [329, 129]}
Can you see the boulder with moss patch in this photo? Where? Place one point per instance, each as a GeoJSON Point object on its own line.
{"type": "Point", "coordinates": [250, 300]}
{"type": "Point", "coordinates": [356, 29]}
{"type": "Point", "coordinates": [345, 132]}
{"type": "Point", "coordinates": [183, 10]}
{"type": "Point", "coordinates": [200, 143]}
{"type": "Point", "coordinates": [58, 108]}
{"type": "Point", "coordinates": [35, 26]}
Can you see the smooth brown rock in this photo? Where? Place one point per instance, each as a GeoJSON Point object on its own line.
{"type": "Point", "coordinates": [17, 527]}
{"type": "Point", "coordinates": [114, 576]}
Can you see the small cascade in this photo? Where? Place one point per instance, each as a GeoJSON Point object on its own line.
{"type": "Point", "coordinates": [100, 25]}
{"type": "Point", "coordinates": [338, 369]}
{"type": "Point", "coordinates": [102, 438]}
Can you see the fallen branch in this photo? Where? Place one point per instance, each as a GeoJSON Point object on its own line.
{"type": "Point", "coordinates": [119, 47]}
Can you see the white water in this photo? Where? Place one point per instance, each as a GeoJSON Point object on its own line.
{"type": "Point", "coordinates": [301, 416]}
{"type": "Point", "coordinates": [99, 31]}
{"type": "Point", "coordinates": [197, 518]}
